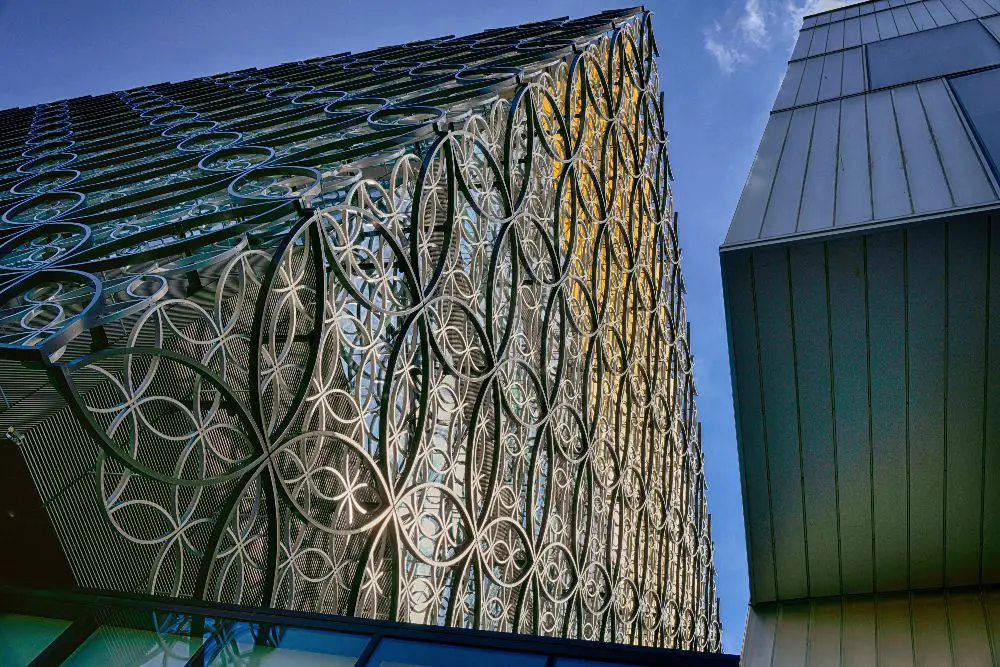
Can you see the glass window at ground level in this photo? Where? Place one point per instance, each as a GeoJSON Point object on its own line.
{"type": "Point", "coordinates": [170, 645]}
{"type": "Point", "coordinates": [574, 662]}
{"type": "Point", "coordinates": [400, 653]}
{"type": "Point", "coordinates": [22, 638]}
{"type": "Point", "coordinates": [932, 53]}
{"type": "Point", "coordinates": [978, 95]}
{"type": "Point", "coordinates": [275, 646]}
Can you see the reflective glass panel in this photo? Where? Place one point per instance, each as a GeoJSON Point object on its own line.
{"type": "Point", "coordinates": [166, 644]}
{"type": "Point", "coordinates": [978, 95]}
{"type": "Point", "coordinates": [573, 662]}
{"type": "Point", "coordinates": [276, 646]}
{"type": "Point", "coordinates": [932, 53]}
{"type": "Point", "coordinates": [400, 653]}
{"type": "Point", "coordinates": [22, 638]}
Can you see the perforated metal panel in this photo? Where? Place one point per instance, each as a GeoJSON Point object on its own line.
{"type": "Point", "coordinates": [398, 334]}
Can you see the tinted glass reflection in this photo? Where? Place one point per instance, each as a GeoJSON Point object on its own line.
{"type": "Point", "coordinates": [400, 653]}
{"type": "Point", "coordinates": [166, 646]}
{"type": "Point", "coordinates": [277, 646]}
{"type": "Point", "coordinates": [573, 662]}
{"type": "Point", "coordinates": [22, 637]}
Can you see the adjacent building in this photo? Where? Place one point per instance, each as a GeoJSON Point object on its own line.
{"type": "Point", "coordinates": [862, 289]}
{"type": "Point", "coordinates": [397, 335]}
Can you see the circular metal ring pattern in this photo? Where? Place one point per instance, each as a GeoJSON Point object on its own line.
{"type": "Point", "coordinates": [47, 148]}
{"type": "Point", "coordinates": [319, 97]}
{"type": "Point", "coordinates": [375, 334]}
{"type": "Point", "coordinates": [52, 179]}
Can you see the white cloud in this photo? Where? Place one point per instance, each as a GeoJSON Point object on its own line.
{"type": "Point", "coordinates": [752, 23]}
{"type": "Point", "coordinates": [727, 56]}
{"type": "Point", "coordinates": [748, 26]}
{"type": "Point", "coordinates": [796, 9]}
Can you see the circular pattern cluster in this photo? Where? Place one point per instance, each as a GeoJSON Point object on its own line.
{"type": "Point", "coordinates": [399, 335]}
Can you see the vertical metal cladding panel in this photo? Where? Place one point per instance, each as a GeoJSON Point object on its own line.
{"type": "Point", "coordinates": [819, 190]}
{"type": "Point", "coordinates": [921, 629]}
{"type": "Point", "coordinates": [790, 86]}
{"type": "Point", "coordinates": [991, 607]}
{"type": "Point", "coordinates": [990, 563]}
{"type": "Point", "coordinates": [968, 281]}
{"type": "Point", "coordinates": [819, 38]}
{"type": "Point", "coordinates": [890, 192]}
{"type": "Point", "coordinates": [869, 29]}
{"type": "Point", "coordinates": [852, 32]}
{"type": "Point", "coordinates": [791, 641]}
{"type": "Point", "coordinates": [922, 17]}
{"type": "Point", "coordinates": [802, 45]}
{"type": "Point", "coordinates": [811, 79]}
{"type": "Point", "coordinates": [786, 195]}
{"type": "Point", "coordinates": [959, 10]}
{"type": "Point", "coordinates": [853, 80]}
{"type": "Point", "coordinates": [904, 21]}
{"type": "Point", "coordinates": [777, 362]}
{"type": "Point", "coordinates": [740, 296]}
{"type": "Point", "coordinates": [895, 638]}
{"type": "Point", "coordinates": [848, 317]}
{"type": "Point", "coordinates": [758, 641]}
{"type": "Point", "coordinates": [854, 196]}
{"type": "Point", "coordinates": [753, 202]}
{"type": "Point", "coordinates": [824, 633]}
{"type": "Point", "coordinates": [859, 647]}
{"type": "Point", "coordinates": [923, 172]}
{"type": "Point", "coordinates": [886, 25]}
{"type": "Point", "coordinates": [993, 25]}
{"type": "Point", "coordinates": [835, 38]}
{"type": "Point", "coordinates": [831, 83]}
{"type": "Point", "coordinates": [968, 176]}
{"type": "Point", "coordinates": [981, 8]}
{"type": "Point", "coordinates": [926, 349]}
{"type": "Point", "coordinates": [887, 350]}
{"type": "Point", "coordinates": [939, 13]}
{"type": "Point", "coordinates": [819, 456]}
{"type": "Point", "coordinates": [931, 638]}
{"type": "Point", "coordinates": [970, 637]}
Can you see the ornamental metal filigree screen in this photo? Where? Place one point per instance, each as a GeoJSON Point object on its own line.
{"type": "Point", "coordinates": [398, 334]}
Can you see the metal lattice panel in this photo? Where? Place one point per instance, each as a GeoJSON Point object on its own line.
{"type": "Point", "coordinates": [398, 335]}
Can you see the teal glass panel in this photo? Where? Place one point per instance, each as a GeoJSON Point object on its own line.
{"type": "Point", "coordinates": [400, 653]}
{"type": "Point", "coordinates": [275, 646]}
{"type": "Point", "coordinates": [131, 647]}
{"type": "Point", "coordinates": [574, 662]}
{"type": "Point", "coordinates": [22, 638]}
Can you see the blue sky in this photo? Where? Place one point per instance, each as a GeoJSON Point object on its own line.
{"type": "Point", "coordinates": [721, 63]}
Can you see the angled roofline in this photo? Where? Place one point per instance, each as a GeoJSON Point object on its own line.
{"type": "Point", "coordinates": [830, 11]}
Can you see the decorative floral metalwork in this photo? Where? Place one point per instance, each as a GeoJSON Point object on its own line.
{"type": "Point", "coordinates": [399, 335]}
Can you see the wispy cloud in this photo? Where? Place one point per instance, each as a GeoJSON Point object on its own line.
{"type": "Point", "coordinates": [751, 26]}
{"type": "Point", "coordinates": [796, 9]}
{"type": "Point", "coordinates": [727, 55]}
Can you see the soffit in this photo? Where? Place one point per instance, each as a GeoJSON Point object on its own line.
{"type": "Point", "coordinates": [940, 628]}
{"type": "Point", "coordinates": [867, 393]}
